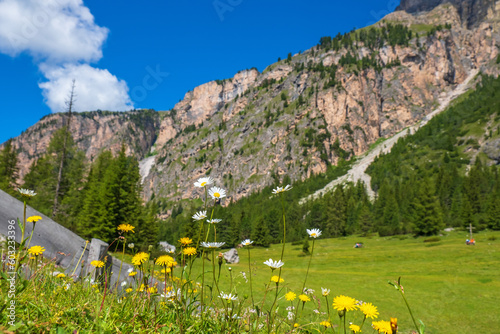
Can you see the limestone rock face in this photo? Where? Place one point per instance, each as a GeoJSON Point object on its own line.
{"type": "Point", "coordinates": [471, 11]}
{"type": "Point", "coordinates": [207, 99]}
{"type": "Point", "coordinates": [92, 132]}
{"type": "Point", "coordinates": [248, 130]}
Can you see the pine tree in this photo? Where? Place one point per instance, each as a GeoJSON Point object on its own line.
{"type": "Point", "coordinates": [365, 220]}
{"type": "Point", "coordinates": [93, 222]}
{"type": "Point", "coordinates": [8, 168]}
{"type": "Point", "coordinates": [428, 212]}
{"type": "Point", "coordinates": [148, 231]}
{"type": "Point", "coordinates": [390, 223]}
{"type": "Point", "coordinates": [260, 233]}
{"type": "Point", "coordinates": [336, 214]}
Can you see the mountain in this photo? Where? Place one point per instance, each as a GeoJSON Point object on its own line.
{"type": "Point", "coordinates": [299, 115]}
{"type": "Point", "coordinates": [471, 11]}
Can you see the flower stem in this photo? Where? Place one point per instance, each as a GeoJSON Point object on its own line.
{"type": "Point", "coordinates": [409, 309]}
{"type": "Point", "coordinates": [309, 265]}
{"type": "Point", "coordinates": [250, 274]}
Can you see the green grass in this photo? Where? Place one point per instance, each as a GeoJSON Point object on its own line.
{"type": "Point", "coordinates": [422, 28]}
{"type": "Point", "coordinates": [451, 287]}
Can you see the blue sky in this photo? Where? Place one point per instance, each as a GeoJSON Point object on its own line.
{"type": "Point", "coordinates": [148, 54]}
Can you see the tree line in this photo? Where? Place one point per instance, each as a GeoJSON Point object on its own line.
{"type": "Point", "coordinates": [90, 199]}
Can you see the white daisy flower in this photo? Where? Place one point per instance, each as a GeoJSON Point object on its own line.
{"type": "Point", "coordinates": [26, 192]}
{"type": "Point", "coordinates": [217, 193]}
{"type": "Point", "coordinates": [314, 233]}
{"type": "Point", "coordinates": [214, 221]}
{"type": "Point", "coordinates": [228, 297]}
{"type": "Point", "coordinates": [204, 181]}
{"type": "Point", "coordinates": [212, 244]}
{"type": "Point", "coordinates": [124, 283]}
{"type": "Point", "coordinates": [247, 242]}
{"type": "Point", "coordinates": [274, 264]}
{"type": "Point", "coordinates": [200, 215]}
{"type": "Point", "coordinates": [325, 292]}
{"type": "Point", "coordinates": [280, 190]}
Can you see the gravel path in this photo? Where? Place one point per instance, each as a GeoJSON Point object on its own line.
{"type": "Point", "coordinates": [357, 172]}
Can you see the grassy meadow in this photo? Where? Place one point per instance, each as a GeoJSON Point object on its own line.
{"type": "Point", "coordinates": [451, 287]}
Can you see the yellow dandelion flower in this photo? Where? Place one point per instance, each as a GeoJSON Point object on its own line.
{"type": "Point", "coordinates": [126, 228]}
{"type": "Point", "coordinates": [369, 310]}
{"type": "Point", "coordinates": [185, 241]}
{"type": "Point", "coordinates": [97, 264]}
{"type": "Point", "coordinates": [152, 289]}
{"type": "Point", "coordinates": [165, 260]}
{"type": "Point", "coordinates": [61, 275]}
{"type": "Point", "coordinates": [165, 270]}
{"type": "Point", "coordinates": [304, 298]}
{"type": "Point", "coordinates": [296, 325]}
{"type": "Point", "coordinates": [132, 273]}
{"type": "Point", "coordinates": [354, 328]}
{"type": "Point", "coordinates": [34, 219]}
{"type": "Point", "coordinates": [382, 326]}
{"type": "Point", "coordinates": [129, 290]}
{"type": "Point", "coordinates": [36, 250]}
{"type": "Point", "coordinates": [276, 278]}
{"type": "Point", "coordinates": [325, 323]}
{"type": "Point", "coordinates": [290, 296]}
{"type": "Point", "coordinates": [344, 303]}
{"type": "Point", "coordinates": [394, 325]}
{"type": "Point", "coordinates": [188, 251]}
{"type": "Point", "coordinates": [141, 288]}
{"type": "Point", "coordinates": [140, 258]}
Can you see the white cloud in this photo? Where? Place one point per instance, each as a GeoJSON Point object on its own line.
{"type": "Point", "coordinates": [54, 30]}
{"type": "Point", "coordinates": [63, 39]}
{"type": "Point", "coordinates": [94, 88]}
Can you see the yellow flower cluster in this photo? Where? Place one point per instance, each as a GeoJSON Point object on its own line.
{"type": "Point", "coordinates": [325, 323]}
{"type": "Point", "coordinates": [354, 328]}
{"type": "Point", "coordinates": [185, 241]}
{"type": "Point", "coordinates": [290, 296]}
{"type": "Point", "coordinates": [166, 261]}
{"type": "Point", "coordinates": [382, 326]}
{"type": "Point", "coordinates": [275, 279]}
{"type": "Point", "coordinates": [36, 250]}
{"type": "Point", "coordinates": [188, 251]}
{"type": "Point", "coordinates": [140, 258]}
{"type": "Point", "coordinates": [344, 303]}
{"type": "Point", "coordinates": [34, 219]}
{"type": "Point", "coordinates": [126, 228]}
{"type": "Point", "coordinates": [304, 298]}
{"type": "Point", "coordinates": [369, 310]}
{"type": "Point", "coordinates": [97, 264]}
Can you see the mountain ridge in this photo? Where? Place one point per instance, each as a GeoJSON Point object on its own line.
{"type": "Point", "coordinates": [301, 114]}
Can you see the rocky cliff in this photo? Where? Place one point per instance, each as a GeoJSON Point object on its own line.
{"type": "Point", "coordinates": [92, 132]}
{"type": "Point", "coordinates": [471, 11]}
{"type": "Point", "coordinates": [292, 120]}
{"type": "Point", "coordinates": [328, 103]}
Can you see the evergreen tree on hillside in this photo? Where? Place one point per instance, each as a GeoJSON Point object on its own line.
{"type": "Point", "coordinates": [260, 233]}
{"type": "Point", "coordinates": [93, 214]}
{"type": "Point", "coordinates": [8, 168]}
{"type": "Point", "coordinates": [336, 213]}
{"type": "Point", "coordinates": [112, 197]}
{"type": "Point", "coordinates": [428, 214]}
{"type": "Point", "coordinates": [44, 178]}
{"type": "Point", "coordinates": [148, 231]}
{"type": "Point", "coordinates": [390, 220]}
{"type": "Point", "coordinates": [494, 210]}
{"type": "Point", "coordinates": [365, 220]}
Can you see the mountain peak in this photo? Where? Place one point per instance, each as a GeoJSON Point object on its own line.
{"type": "Point", "coordinates": [471, 11]}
